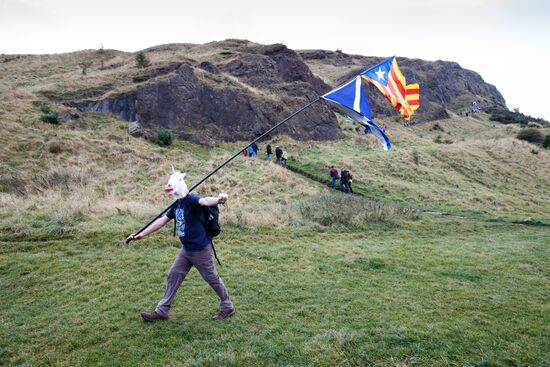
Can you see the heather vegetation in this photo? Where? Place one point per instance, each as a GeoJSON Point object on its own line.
{"type": "Point", "coordinates": [317, 277]}
{"type": "Point", "coordinates": [505, 116]}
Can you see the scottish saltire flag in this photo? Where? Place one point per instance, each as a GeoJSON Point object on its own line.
{"type": "Point", "coordinates": [387, 77]}
{"type": "Point", "coordinates": [351, 100]}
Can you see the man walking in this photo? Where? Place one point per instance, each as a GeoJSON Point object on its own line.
{"type": "Point", "coordinates": [344, 180]}
{"type": "Point", "coordinates": [333, 176]}
{"type": "Point", "coordinates": [269, 152]}
{"type": "Point", "coordinates": [278, 154]}
{"type": "Point", "coordinates": [197, 248]}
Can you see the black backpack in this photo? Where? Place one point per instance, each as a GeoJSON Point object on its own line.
{"type": "Point", "coordinates": [211, 216]}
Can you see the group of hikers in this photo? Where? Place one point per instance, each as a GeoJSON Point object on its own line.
{"type": "Point", "coordinates": [345, 178]}
{"type": "Point", "coordinates": [281, 156]}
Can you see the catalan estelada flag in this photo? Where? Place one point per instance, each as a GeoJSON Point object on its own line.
{"type": "Point", "coordinates": [387, 77]}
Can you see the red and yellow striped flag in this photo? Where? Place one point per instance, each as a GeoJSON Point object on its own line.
{"type": "Point", "coordinates": [389, 80]}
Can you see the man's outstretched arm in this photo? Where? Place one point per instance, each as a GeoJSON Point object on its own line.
{"type": "Point", "coordinates": [158, 224]}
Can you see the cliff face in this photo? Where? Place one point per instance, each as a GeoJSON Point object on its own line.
{"type": "Point", "coordinates": [235, 90]}
{"type": "Point", "coordinates": [235, 96]}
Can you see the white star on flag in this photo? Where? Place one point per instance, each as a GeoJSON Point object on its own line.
{"type": "Point", "coordinates": [380, 73]}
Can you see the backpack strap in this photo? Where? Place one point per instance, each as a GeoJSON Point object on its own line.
{"type": "Point", "coordinates": [215, 255]}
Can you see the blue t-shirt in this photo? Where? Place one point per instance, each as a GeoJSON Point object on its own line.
{"type": "Point", "coordinates": [191, 230]}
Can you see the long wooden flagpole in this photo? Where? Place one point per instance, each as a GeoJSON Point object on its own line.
{"type": "Point", "coordinates": [224, 164]}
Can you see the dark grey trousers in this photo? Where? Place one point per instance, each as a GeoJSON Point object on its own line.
{"type": "Point", "coordinates": [202, 260]}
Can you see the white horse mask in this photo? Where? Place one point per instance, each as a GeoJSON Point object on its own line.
{"type": "Point", "coordinates": [176, 186]}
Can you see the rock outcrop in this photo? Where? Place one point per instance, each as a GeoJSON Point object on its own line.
{"type": "Point", "coordinates": [236, 90]}
{"type": "Point", "coordinates": [234, 100]}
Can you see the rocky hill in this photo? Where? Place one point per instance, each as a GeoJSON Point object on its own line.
{"type": "Point", "coordinates": [234, 89]}
{"type": "Point", "coordinates": [235, 92]}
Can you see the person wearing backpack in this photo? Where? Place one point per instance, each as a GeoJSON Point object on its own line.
{"type": "Point", "coordinates": [197, 247]}
{"type": "Point", "coordinates": [344, 180]}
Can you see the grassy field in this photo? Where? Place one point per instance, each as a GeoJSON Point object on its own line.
{"type": "Point", "coordinates": [424, 292]}
{"type": "Point", "coordinates": [317, 277]}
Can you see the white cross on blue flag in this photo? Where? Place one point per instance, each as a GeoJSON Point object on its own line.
{"type": "Point", "coordinates": [351, 100]}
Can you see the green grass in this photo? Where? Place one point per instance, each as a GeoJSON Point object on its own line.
{"type": "Point", "coordinates": [429, 292]}
{"type": "Point", "coordinates": [318, 277]}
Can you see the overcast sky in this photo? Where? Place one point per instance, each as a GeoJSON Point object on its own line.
{"type": "Point", "coordinates": [506, 41]}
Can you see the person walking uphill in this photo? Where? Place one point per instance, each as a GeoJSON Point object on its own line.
{"type": "Point", "coordinates": [269, 152]}
{"type": "Point", "coordinates": [197, 248]}
{"type": "Point", "coordinates": [344, 180]}
{"type": "Point", "coordinates": [333, 176]}
{"type": "Point", "coordinates": [278, 154]}
{"type": "Point", "coordinates": [255, 148]}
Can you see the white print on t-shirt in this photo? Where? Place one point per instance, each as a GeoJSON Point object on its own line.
{"type": "Point", "coordinates": [180, 220]}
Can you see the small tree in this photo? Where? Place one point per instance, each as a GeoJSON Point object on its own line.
{"type": "Point", "coordinates": [164, 137]}
{"type": "Point", "coordinates": [85, 65]}
{"type": "Point", "coordinates": [546, 142]}
{"type": "Point", "coordinates": [142, 61]}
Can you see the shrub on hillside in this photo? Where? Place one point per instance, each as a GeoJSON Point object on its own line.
{"type": "Point", "coordinates": [546, 142]}
{"type": "Point", "coordinates": [532, 135]}
{"type": "Point", "coordinates": [509, 117]}
{"type": "Point", "coordinates": [416, 157]}
{"type": "Point", "coordinates": [48, 115]}
{"type": "Point", "coordinates": [142, 61]}
{"type": "Point", "coordinates": [164, 137]}
{"type": "Point", "coordinates": [50, 118]}
{"type": "Point", "coordinates": [436, 127]}
{"type": "Point", "coordinates": [84, 66]}
{"type": "Point", "coordinates": [55, 148]}
{"type": "Point", "coordinates": [45, 107]}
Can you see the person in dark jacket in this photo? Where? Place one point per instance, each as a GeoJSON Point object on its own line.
{"type": "Point", "coordinates": [344, 180]}
{"type": "Point", "coordinates": [278, 154]}
{"type": "Point", "coordinates": [196, 248]}
{"type": "Point", "coordinates": [333, 176]}
{"type": "Point", "coordinates": [269, 152]}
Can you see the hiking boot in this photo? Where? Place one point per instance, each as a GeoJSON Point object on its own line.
{"type": "Point", "coordinates": [153, 316]}
{"type": "Point", "coordinates": [222, 315]}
